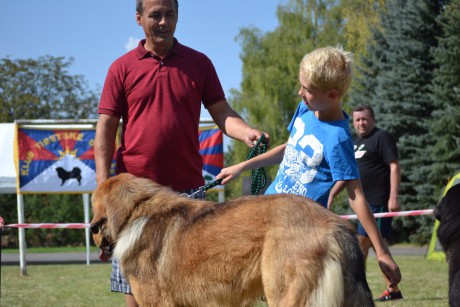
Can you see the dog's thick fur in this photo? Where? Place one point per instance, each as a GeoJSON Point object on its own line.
{"type": "Point", "coordinates": [176, 251]}
{"type": "Point", "coordinates": [448, 214]}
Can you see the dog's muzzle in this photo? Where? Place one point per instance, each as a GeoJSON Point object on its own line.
{"type": "Point", "coordinates": [105, 247]}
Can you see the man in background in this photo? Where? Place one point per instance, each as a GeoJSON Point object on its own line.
{"type": "Point", "coordinates": [377, 157]}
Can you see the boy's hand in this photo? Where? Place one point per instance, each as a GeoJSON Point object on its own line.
{"type": "Point", "coordinates": [230, 173]}
{"type": "Point", "coordinates": [390, 269]}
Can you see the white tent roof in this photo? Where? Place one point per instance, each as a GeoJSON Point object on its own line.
{"type": "Point", "coordinates": [7, 169]}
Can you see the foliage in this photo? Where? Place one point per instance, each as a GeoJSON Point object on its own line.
{"type": "Point", "coordinates": [398, 85]}
{"type": "Point", "coordinates": [411, 81]}
{"type": "Point", "coordinates": [44, 208]}
{"type": "Point", "coordinates": [43, 89]}
{"type": "Point", "coordinates": [445, 126]}
{"type": "Point", "coordinates": [268, 96]}
{"type": "Point", "coordinates": [362, 16]}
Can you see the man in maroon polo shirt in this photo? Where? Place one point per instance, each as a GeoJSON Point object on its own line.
{"type": "Point", "coordinates": [157, 89]}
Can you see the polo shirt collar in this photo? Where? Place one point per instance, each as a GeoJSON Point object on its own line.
{"type": "Point", "coordinates": [143, 53]}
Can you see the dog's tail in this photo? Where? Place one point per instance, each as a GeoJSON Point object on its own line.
{"type": "Point", "coordinates": [343, 282]}
{"type": "Point", "coordinates": [330, 290]}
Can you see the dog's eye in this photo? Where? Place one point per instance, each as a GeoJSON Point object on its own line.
{"type": "Point", "coordinates": [94, 229]}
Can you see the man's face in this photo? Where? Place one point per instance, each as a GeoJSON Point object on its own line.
{"type": "Point", "coordinates": [159, 21]}
{"type": "Point", "coordinates": [363, 122]}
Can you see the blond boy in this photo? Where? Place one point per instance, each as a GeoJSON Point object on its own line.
{"type": "Point", "coordinates": [319, 151]}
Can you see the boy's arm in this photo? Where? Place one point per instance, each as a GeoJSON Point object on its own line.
{"type": "Point", "coordinates": [271, 157]}
{"type": "Point", "coordinates": [336, 189]}
{"type": "Point", "coordinates": [365, 216]}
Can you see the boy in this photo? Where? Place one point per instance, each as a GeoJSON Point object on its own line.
{"type": "Point", "coordinates": [319, 151]}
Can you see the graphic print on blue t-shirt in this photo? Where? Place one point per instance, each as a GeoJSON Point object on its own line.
{"type": "Point", "coordinates": [317, 154]}
{"type": "Point", "coordinates": [302, 156]}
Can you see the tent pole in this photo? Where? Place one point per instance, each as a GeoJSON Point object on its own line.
{"type": "Point", "coordinates": [22, 235]}
{"type": "Point", "coordinates": [221, 197]}
{"type": "Point", "coordinates": [87, 234]}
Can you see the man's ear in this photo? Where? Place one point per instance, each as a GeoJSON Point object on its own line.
{"type": "Point", "coordinates": [138, 18]}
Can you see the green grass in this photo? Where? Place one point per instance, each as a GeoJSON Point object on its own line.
{"type": "Point", "coordinates": [424, 284]}
{"type": "Point", "coordinates": [58, 285]}
{"type": "Point", "coordinates": [64, 249]}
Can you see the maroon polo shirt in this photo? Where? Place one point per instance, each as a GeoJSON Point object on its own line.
{"type": "Point", "coordinates": [160, 103]}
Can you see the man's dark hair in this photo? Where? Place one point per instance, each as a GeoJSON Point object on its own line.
{"type": "Point", "coordinates": [140, 6]}
{"type": "Point", "coordinates": [364, 108]}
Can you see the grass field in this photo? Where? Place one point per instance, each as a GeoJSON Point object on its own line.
{"type": "Point", "coordinates": [424, 284]}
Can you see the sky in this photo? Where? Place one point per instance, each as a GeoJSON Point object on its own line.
{"type": "Point", "coordinates": [96, 32]}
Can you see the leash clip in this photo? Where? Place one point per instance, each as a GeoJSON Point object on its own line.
{"type": "Point", "coordinates": [203, 189]}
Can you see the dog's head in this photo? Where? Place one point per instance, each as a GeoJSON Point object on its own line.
{"type": "Point", "coordinates": [98, 227]}
{"type": "Point", "coordinates": [115, 202]}
{"type": "Point", "coordinates": [448, 214]}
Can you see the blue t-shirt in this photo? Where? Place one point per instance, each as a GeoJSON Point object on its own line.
{"type": "Point", "coordinates": [317, 155]}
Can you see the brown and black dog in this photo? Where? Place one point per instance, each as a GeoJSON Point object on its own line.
{"type": "Point", "coordinates": [448, 214]}
{"type": "Point", "coordinates": [177, 251]}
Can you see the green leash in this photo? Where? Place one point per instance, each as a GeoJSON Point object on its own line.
{"type": "Point", "coordinates": [259, 175]}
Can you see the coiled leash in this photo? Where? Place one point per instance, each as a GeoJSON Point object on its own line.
{"type": "Point", "coordinates": [259, 175]}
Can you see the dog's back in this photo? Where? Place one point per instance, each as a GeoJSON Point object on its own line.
{"type": "Point", "coordinates": [341, 279]}
{"type": "Point", "coordinates": [181, 252]}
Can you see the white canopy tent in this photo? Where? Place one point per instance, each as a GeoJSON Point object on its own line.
{"type": "Point", "coordinates": [7, 170]}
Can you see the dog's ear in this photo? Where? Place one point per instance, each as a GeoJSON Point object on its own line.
{"type": "Point", "coordinates": [98, 200]}
{"type": "Point", "coordinates": [118, 197]}
{"type": "Point", "coordinates": [112, 201]}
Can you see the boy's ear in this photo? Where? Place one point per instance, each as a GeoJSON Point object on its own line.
{"type": "Point", "coordinates": [333, 94]}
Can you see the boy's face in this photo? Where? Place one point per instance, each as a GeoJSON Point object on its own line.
{"type": "Point", "coordinates": [315, 99]}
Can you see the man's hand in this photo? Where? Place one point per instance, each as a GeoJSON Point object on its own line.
{"type": "Point", "coordinates": [254, 135]}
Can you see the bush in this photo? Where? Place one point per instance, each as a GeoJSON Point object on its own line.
{"type": "Point", "coordinates": [43, 208]}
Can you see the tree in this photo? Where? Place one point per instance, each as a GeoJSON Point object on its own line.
{"type": "Point", "coordinates": [362, 17]}
{"type": "Point", "coordinates": [398, 86]}
{"type": "Point", "coordinates": [268, 95]}
{"type": "Point", "coordinates": [445, 126]}
{"type": "Point", "coordinates": [43, 89]}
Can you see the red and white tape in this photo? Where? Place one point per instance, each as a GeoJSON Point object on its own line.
{"type": "Point", "coordinates": [84, 225]}
{"type": "Point", "coordinates": [392, 214]}
{"type": "Point", "coordinates": [48, 225]}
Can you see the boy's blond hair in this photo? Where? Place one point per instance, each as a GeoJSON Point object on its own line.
{"type": "Point", "coordinates": [328, 68]}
